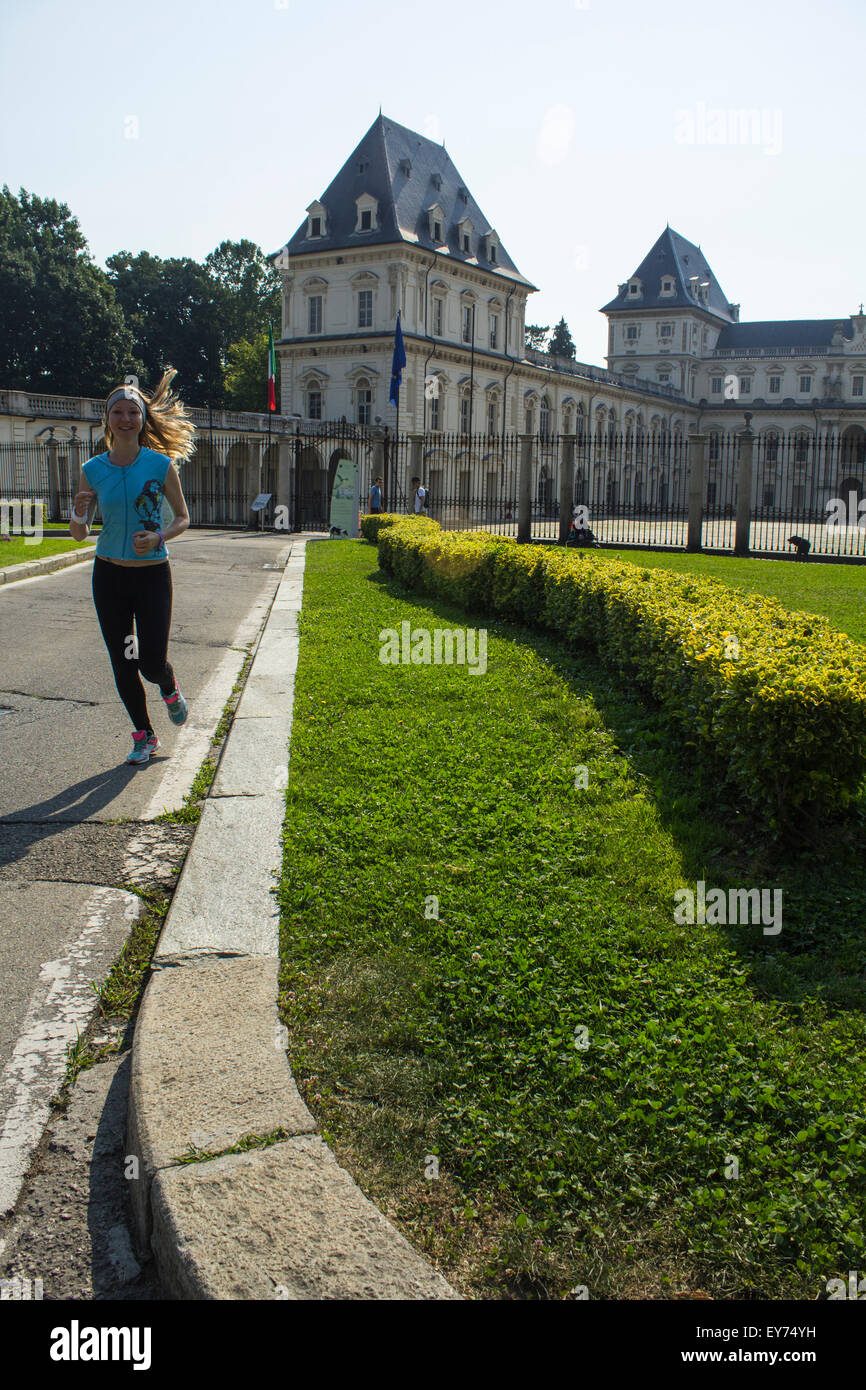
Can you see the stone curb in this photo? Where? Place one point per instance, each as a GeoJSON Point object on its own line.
{"type": "Point", "coordinates": [28, 568]}
{"type": "Point", "coordinates": [209, 1065]}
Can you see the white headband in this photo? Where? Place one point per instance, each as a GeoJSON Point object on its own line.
{"type": "Point", "coordinates": [127, 393]}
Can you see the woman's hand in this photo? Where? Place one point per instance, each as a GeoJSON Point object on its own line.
{"type": "Point", "coordinates": [144, 541]}
{"type": "Point", "coordinates": [82, 501]}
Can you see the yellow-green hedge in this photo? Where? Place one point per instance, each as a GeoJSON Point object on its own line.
{"type": "Point", "coordinates": [778, 697]}
{"type": "Point", "coordinates": [371, 525]}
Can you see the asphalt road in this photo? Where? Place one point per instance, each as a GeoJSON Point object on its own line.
{"type": "Point", "coordinates": [75, 818]}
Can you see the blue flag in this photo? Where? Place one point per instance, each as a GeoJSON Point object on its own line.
{"type": "Point", "coordinates": [397, 364]}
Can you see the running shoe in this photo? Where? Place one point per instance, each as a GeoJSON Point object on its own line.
{"type": "Point", "coordinates": [176, 706]}
{"type": "Point", "coordinates": [152, 743]}
{"type": "Point", "coordinates": [140, 751]}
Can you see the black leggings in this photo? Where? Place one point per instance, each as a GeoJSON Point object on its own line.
{"type": "Point", "coordinates": [121, 592]}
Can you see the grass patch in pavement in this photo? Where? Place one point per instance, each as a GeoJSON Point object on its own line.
{"type": "Point", "coordinates": [587, 1074]}
{"type": "Point", "coordinates": [837, 591]}
{"type": "Point", "coordinates": [119, 995]}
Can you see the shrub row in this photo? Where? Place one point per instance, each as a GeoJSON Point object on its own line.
{"type": "Point", "coordinates": [777, 698]}
{"type": "Point", "coordinates": [372, 525]}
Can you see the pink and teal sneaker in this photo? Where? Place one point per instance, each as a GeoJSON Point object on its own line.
{"type": "Point", "coordinates": [176, 706]}
{"type": "Point", "coordinates": [140, 751]}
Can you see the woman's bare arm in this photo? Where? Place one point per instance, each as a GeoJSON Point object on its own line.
{"type": "Point", "coordinates": [177, 501]}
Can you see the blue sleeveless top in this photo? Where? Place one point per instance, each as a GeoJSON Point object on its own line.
{"type": "Point", "coordinates": [130, 499]}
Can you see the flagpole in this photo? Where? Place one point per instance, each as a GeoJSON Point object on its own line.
{"type": "Point", "coordinates": [268, 449]}
{"type": "Point", "coordinates": [395, 468]}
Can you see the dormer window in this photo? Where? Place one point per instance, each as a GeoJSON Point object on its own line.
{"type": "Point", "coordinates": [490, 246]}
{"type": "Point", "coordinates": [405, 167]}
{"type": "Point", "coordinates": [436, 180]}
{"type": "Point", "coordinates": [667, 284]}
{"type": "Point", "coordinates": [367, 213]}
{"type": "Point", "coordinates": [436, 215]}
{"type": "Point", "coordinates": [634, 289]}
{"type": "Point", "coordinates": [316, 220]}
{"type": "Point", "coordinates": [464, 231]}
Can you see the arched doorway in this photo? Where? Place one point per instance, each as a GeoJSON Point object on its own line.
{"type": "Point", "coordinates": [313, 492]}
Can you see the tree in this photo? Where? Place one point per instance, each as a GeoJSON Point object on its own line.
{"type": "Point", "coordinates": [247, 374]}
{"type": "Point", "coordinates": [179, 317]}
{"type": "Point", "coordinates": [250, 288]}
{"type": "Point", "coordinates": [561, 343]}
{"type": "Point", "coordinates": [535, 336]}
{"type": "Point", "coordinates": [64, 332]}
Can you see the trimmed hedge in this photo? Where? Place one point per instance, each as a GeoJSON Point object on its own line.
{"type": "Point", "coordinates": [779, 698]}
{"type": "Point", "coordinates": [371, 525]}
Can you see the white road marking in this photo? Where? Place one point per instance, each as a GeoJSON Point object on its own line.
{"type": "Point", "coordinates": [205, 709]}
{"type": "Point", "coordinates": [61, 1007]}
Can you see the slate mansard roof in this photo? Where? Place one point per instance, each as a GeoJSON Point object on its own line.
{"type": "Point", "coordinates": [378, 166]}
{"type": "Point", "coordinates": [814, 334]}
{"type": "Point", "coordinates": [673, 255]}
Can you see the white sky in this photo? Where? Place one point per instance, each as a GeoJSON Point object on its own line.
{"type": "Point", "coordinates": [568, 119]}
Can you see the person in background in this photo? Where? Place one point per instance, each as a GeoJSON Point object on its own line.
{"type": "Point", "coordinates": [419, 495]}
{"type": "Point", "coordinates": [376, 497]}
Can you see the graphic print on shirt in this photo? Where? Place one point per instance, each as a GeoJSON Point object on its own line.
{"type": "Point", "coordinates": [148, 505]}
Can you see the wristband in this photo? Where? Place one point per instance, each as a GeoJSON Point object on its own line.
{"type": "Point", "coordinates": [161, 539]}
{"type": "Point", "coordinates": [82, 520]}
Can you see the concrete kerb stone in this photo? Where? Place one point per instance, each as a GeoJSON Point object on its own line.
{"type": "Point", "coordinates": [209, 1064]}
{"type": "Point", "coordinates": [27, 569]}
{"type": "Point", "coordinates": [256, 751]}
{"type": "Point", "coordinates": [323, 1239]}
{"type": "Point", "coordinates": [223, 901]}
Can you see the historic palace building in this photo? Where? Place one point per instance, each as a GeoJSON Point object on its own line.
{"type": "Point", "coordinates": [399, 229]}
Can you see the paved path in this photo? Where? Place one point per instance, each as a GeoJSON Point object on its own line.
{"type": "Point", "coordinates": [64, 736]}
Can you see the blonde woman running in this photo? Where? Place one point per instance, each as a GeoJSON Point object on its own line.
{"type": "Point", "coordinates": [131, 573]}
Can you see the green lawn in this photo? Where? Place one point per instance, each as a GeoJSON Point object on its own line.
{"type": "Point", "coordinates": [586, 1072]}
{"type": "Point", "coordinates": [838, 591]}
{"type": "Point", "coordinates": [56, 540]}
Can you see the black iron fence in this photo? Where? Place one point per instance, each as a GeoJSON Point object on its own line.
{"type": "Point", "coordinates": [722, 490]}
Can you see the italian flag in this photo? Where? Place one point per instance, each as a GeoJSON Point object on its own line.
{"type": "Point", "coordinates": [272, 372]}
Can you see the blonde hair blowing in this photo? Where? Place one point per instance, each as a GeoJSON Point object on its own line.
{"type": "Point", "coordinates": [167, 427]}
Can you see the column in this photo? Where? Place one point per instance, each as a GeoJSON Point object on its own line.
{"type": "Point", "coordinates": [566, 489]}
{"type": "Point", "coordinates": [524, 490]}
{"type": "Point", "coordinates": [744, 489]}
{"type": "Point", "coordinates": [697, 476]}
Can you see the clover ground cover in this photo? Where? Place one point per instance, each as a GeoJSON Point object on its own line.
{"type": "Point", "coordinates": [578, 1069]}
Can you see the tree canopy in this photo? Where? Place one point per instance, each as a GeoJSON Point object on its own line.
{"type": "Point", "coordinates": [561, 343]}
{"type": "Point", "coordinates": [73, 329]}
{"type": "Point", "coordinates": [535, 336]}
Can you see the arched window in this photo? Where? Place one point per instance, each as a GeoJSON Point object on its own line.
{"type": "Point", "coordinates": [364, 399]}
{"type": "Point", "coordinates": [544, 419]}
